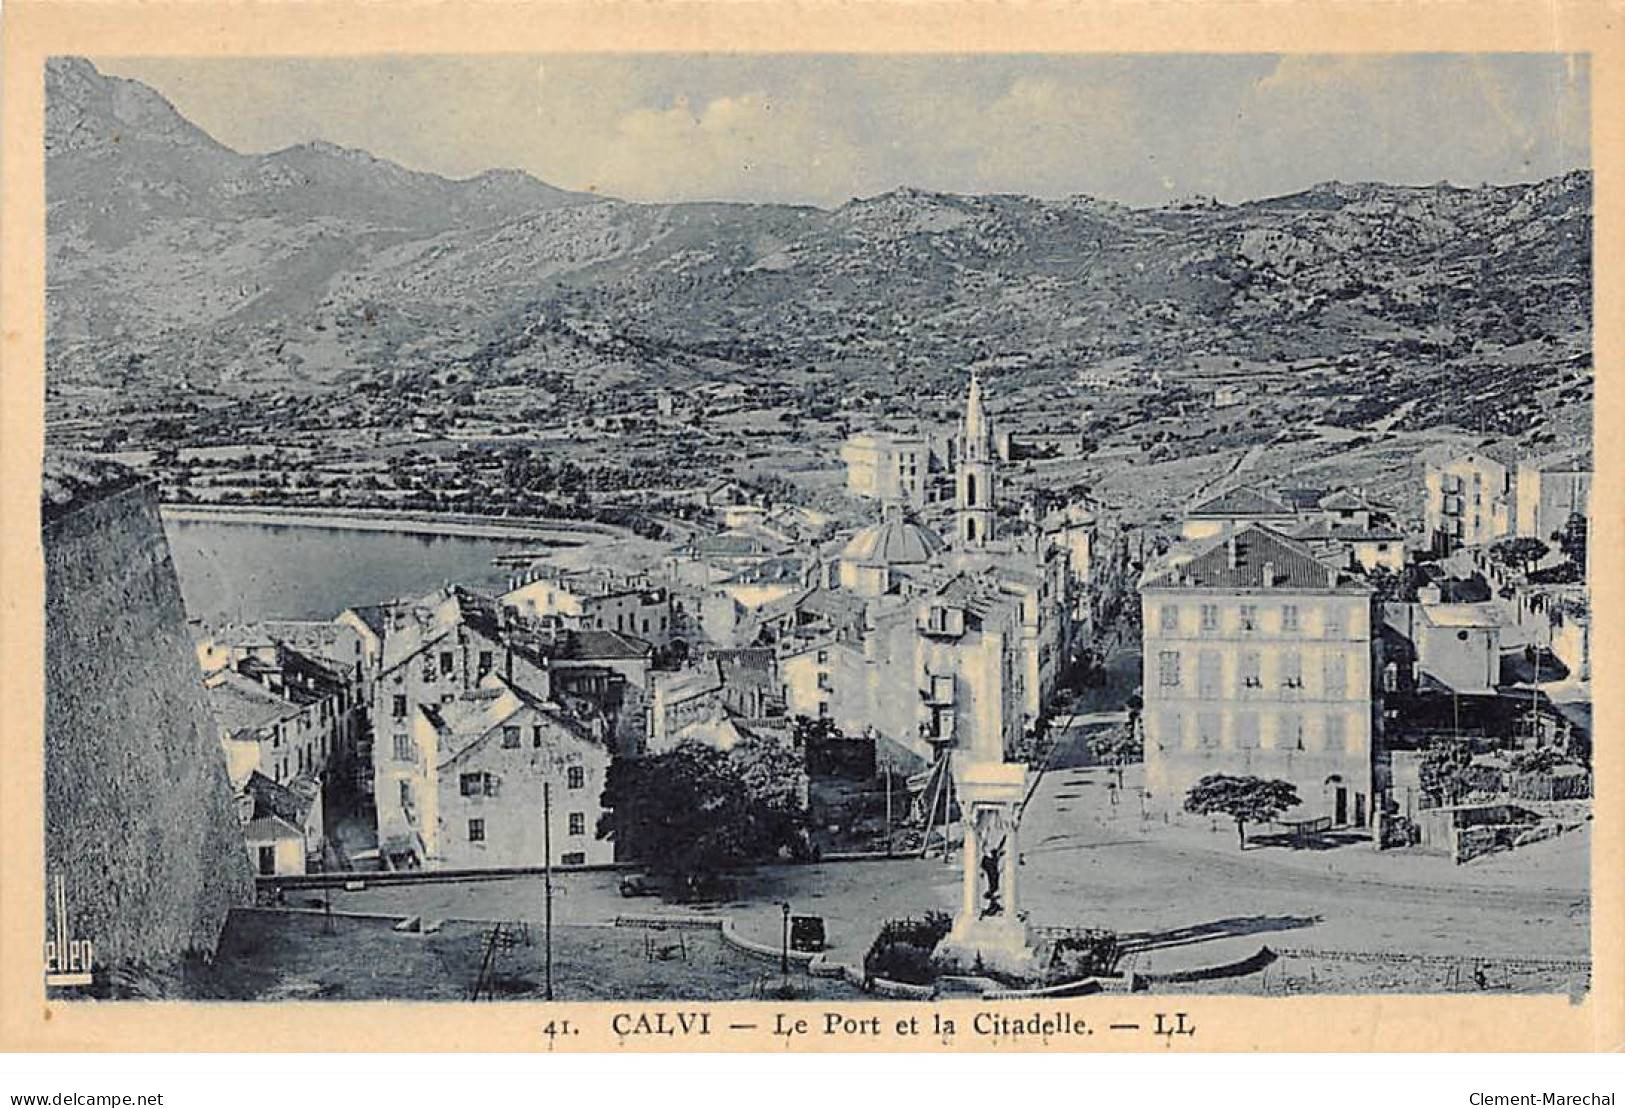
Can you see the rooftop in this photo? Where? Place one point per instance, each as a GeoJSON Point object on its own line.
{"type": "Point", "coordinates": [1240, 501]}
{"type": "Point", "coordinates": [1462, 615]}
{"type": "Point", "coordinates": [1239, 562]}
{"type": "Point", "coordinates": [242, 705]}
{"type": "Point", "coordinates": [893, 540]}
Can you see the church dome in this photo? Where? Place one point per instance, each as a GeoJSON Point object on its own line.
{"type": "Point", "coordinates": [894, 541]}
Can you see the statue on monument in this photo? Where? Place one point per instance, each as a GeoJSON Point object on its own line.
{"type": "Point", "coordinates": [991, 834]}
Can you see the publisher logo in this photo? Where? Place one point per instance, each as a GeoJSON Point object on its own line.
{"type": "Point", "coordinates": [68, 960]}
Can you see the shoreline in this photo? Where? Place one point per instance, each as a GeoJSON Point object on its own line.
{"type": "Point", "coordinates": [581, 532]}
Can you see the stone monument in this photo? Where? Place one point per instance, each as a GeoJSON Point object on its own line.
{"type": "Point", "coordinates": [988, 932]}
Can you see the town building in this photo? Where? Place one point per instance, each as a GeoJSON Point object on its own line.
{"type": "Point", "coordinates": [888, 467]}
{"type": "Point", "coordinates": [1259, 661]}
{"type": "Point", "coordinates": [701, 701]}
{"type": "Point", "coordinates": [1350, 531]}
{"type": "Point", "coordinates": [319, 666]}
{"type": "Point", "coordinates": [1550, 490]}
{"type": "Point", "coordinates": [595, 600]}
{"type": "Point", "coordinates": [493, 751]}
{"type": "Point", "coordinates": [282, 825]}
{"type": "Point", "coordinates": [1233, 509]}
{"type": "Point", "coordinates": [1472, 497]}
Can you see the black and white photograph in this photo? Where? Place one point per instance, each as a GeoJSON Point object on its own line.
{"type": "Point", "coordinates": [817, 528]}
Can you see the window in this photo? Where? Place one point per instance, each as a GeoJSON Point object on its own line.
{"type": "Point", "coordinates": [574, 858]}
{"type": "Point", "coordinates": [404, 749]}
{"type": "Point", "coordinates": [536, 736]}
{"type": "Point", "coordinates": [1336, 676]}
{"type": "Point", "coordinates": [1169, 618]}
{"type": "Point", "coordinates": [1289, 617]}
{"type": "Point", "coordinates": [823, 657]}
{"type": "Point", "coordinates": [399, 707]}
{"type": "Point", "coordinates": [1291, 670]}
{"type": "Point", "coordinates": [406, 795]}
{"type": "Point", "coordinates": [1246, 730]}
{"type": "Point", "coordinates": [267, 860]}
{"type": "Point", "coordinates": [476, 830]}
{"type": "Point", "coordinates": [1210, 617]}
{"type": "Point", "coordinates": [1209, 674]}
{"type": "Point", "coordinates": [477, 784]}
{"type": "Point", "coordinates": [578, 823]}
{"type": "Point", "coordinates": [1334, 623]}
{"type": "Point", "coordinates": [576, 777]}
{"type": "Point", "coordinates": [823, 709]}
{"type": "Point", "coordinates": [1168, 669]}
{"type": "Point", "coordinates": [1170, 731]}
{"type": "Point", "coordinates": [1336, 732]}
{"type": "Point", "coordinates": [1289, 732]}
{"type": "Point", "coordinates": [1249, 617]}
{"type": "Point", "coordinates": [510, 737]}
{"type": "Point", "coordinates": [823, 682]}
{"type": "Point", "coordinates": [445, 661]}
{"type": "Point", "coordinates": [486, 661]}
{"type": "Point", "coordinates": [1251, 670]}
{"type": "Point", "coordinates": [1208, 729]}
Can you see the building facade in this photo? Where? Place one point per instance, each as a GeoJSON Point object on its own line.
{"type": "Point", "coordinates": [1472, 499]}
{"type": "Point", "coordinates": [512, 776]}
{"type": "Point", "coordinates": [1550, 490]}
{"type": "Point", "coordinates": [888, 467]}
{"type": "Point", "coordinates": [1259, 661]}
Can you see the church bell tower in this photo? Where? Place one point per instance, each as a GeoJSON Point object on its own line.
{"type": "Point", "coordinates": [974, 483]}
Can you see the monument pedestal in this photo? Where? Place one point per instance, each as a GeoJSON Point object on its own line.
{"type": "Point", "coordinates": [988, 933]}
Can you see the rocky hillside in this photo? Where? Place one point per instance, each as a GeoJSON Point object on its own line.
{"type": "Point", "coordinates": [175, 259]}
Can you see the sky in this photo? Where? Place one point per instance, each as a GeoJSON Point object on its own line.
{"type": "Point", "coordinates": [822, 129]}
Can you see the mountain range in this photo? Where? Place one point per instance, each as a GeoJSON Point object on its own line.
{"type": "Point", "coordinates": [175, 260]}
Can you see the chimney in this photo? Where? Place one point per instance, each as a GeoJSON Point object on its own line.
{"type": "Point", "coordinates": [1269, 575]}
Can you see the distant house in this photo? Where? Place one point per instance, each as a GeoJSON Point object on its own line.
{"type": "Point", "coordinates": [1233, 509]}
{"type": "Point", "coordinates": [595, 600]}
{"type": "Point", "coordinates": [282, 827]}
{"type": "Point", "coordinates": [1472, 497]}
{"type": "Point", "coordinates": [495, 749]}
{"type": "Point", "coordinates": [887, 467]}
{"type": "Point", "coordinates": [724, 684]}
{"type": "Point", "coordinates": [1459, 646]}
{"type": "Point", "coordinates": [1551, 489]}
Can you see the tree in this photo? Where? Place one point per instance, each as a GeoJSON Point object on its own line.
{"type": "Point", "coordinates": [1571, 540]}
{"type": "Point", "coordinates": [1519, 553]}
{"type": "Point", "coordinates": [1244, 799]}
{"type": "Point", "coordinates": [1444, 769]}
{"type": "Point", "coordinates": [1117, 746]}
{"type": "Point", "coordinates": [694, 812]}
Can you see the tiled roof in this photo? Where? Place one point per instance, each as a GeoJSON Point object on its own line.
{"type": "Point", "coordinates": [1239, 561]}
{"type": "Point", "coordinates": [774, 571]}
{"type": "Point", "coordinates": [606, 644]}
{"type": "Point", "coordinates": [291, 802]}
{"type": "Point", "coordinates": [375, 616]}
{"type": "Point", "coordinates": [241, 705]}
{"type": "Point", "coordinates": [1326, 529]}
{"type": "Point", "coordinates": [1241, 501]}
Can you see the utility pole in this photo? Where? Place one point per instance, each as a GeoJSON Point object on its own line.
{"type": "Point", "coordinates": [888, 809]}
{"type": "Point", "coordinates": [547, 880]}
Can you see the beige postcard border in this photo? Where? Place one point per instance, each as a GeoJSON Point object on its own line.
{"type": "Point", "coordinates": [35, 29]}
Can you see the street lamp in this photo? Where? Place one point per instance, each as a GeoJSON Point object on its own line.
{"type": "Point", "coordinates": [784, 948]}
